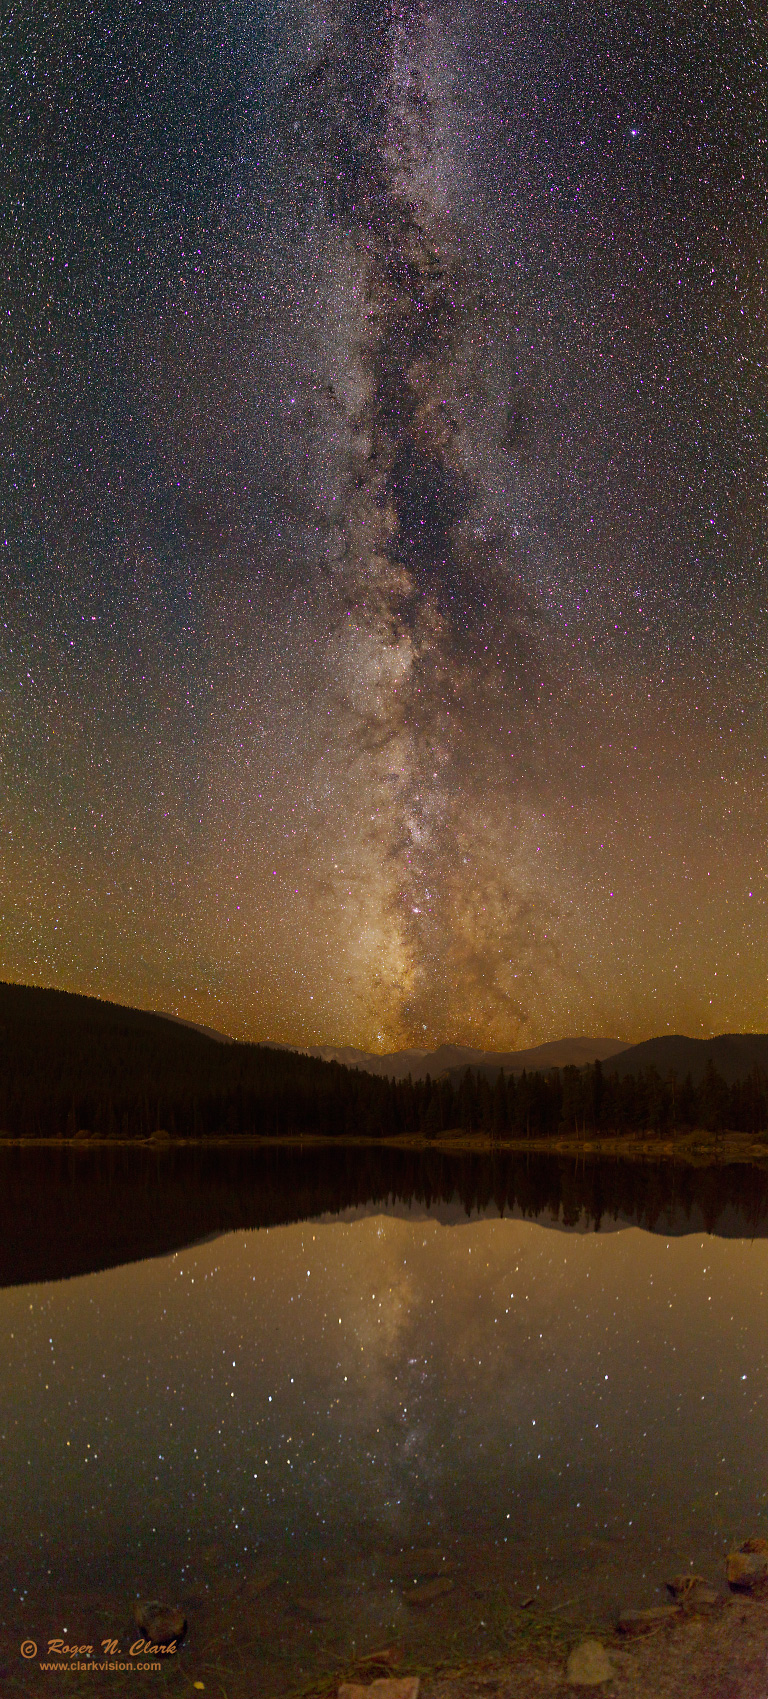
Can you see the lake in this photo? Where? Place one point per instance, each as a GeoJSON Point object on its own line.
{"type": "Point", "coordinates": [334, 1400]}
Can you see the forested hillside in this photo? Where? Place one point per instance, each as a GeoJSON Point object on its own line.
{"type": "Point", "coordinates": [71, 1065]}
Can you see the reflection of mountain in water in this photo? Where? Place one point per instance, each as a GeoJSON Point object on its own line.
{"type": "Point", "coordinates": [69, 1211]}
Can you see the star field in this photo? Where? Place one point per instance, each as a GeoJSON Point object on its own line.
{"type": "Point", "coordinates": [383, 642]}
{"type": "Point", "coordinates": [327, 1393]}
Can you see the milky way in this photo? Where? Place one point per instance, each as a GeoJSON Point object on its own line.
{"type": "Point", "coordinates": [384, 644]}
{"type": "Point", "coordinates": [433, 627]}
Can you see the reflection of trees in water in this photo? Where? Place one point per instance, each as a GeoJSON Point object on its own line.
{"type": "Point", "coordinates": [67, 1211]}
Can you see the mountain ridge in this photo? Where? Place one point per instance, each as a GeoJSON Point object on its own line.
{"type": "Point", "coordinates": [734, 1055]}
{"type": "Point", "coordinates": [398, 1064]}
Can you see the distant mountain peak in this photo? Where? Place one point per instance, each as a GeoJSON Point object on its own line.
{"type": "Point", "coordinates": [397, 1064]}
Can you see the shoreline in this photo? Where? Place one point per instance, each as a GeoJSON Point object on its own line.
{"type": "Point", "coordinates": [693, 1149]}
{"type": "Point", "coordinates": [687, 1657]}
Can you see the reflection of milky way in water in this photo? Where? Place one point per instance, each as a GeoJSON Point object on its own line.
{"type": "Point", "coordinates": [308, 1400]}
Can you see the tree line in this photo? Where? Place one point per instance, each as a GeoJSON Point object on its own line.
{"type": "Point", "coordinates": [123, 1074]}
{"type": "Point", "coordinates": [588, 1101]}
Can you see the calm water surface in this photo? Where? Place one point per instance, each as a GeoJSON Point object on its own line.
{"type": "Point", "coordinates": [257, 1427]}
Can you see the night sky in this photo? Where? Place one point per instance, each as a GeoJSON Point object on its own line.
{"type": "Point", "coordinates": [383, 515]}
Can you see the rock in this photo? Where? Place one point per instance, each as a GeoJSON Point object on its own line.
{"type": "Point", "coordinates": [386, 1687]}
{"type": "Point", "coordinates": [428, 1593]}
{"type": "Point", "coordinates": [702, 1599]}
{"type": "Point", "coordinates": [642, 1622]}
{"type": "Point", "coordinates": [160, 1624]}
{"type": "Point", "coordinates": [681, 1585]}
{"type": "Point", "coordinates": [589, 1665]}
{"type": "Point", "coordinates": [747, 1569]}
{"type": "Point", "coordinates": [694, 1593]}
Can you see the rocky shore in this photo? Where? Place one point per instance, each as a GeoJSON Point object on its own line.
{"type": "Point", "coordinates": [684, 1656]}
{"type": "Point", "coordinates": [252, 1641]}
{"type": "Point", "coordinates": [706, 1642]}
